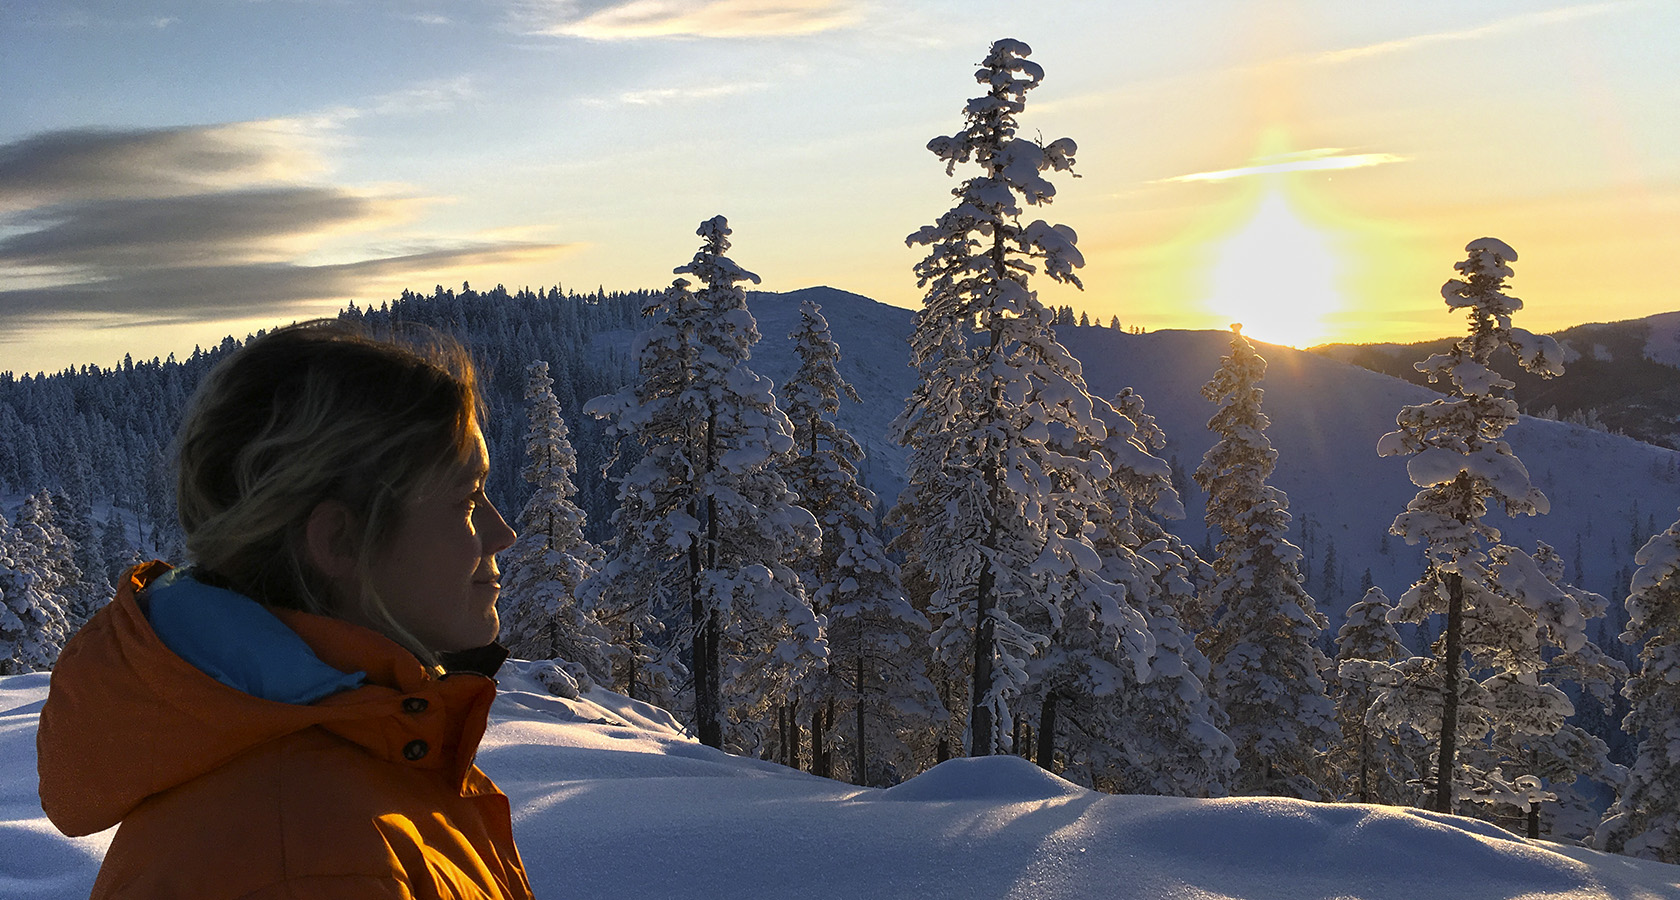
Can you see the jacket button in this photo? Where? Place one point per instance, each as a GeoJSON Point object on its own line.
{"type": "Point", "coordinates": [414, 750]}
{"type": "Point", "coordinates": [414, 705]}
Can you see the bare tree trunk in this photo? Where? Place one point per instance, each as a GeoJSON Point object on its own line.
{"type": "Point", "coordinates": [858, 771]}
{"type": "Point", "coordinates": [1047, 731]}
{"type": "Point", "coordinates": [980, 715]}
{"type": "Point", "coordinates": [1444, 767]}
{"type": "Point", "coordinates": [793, 735]}
{"type": "Point", "coordinates": [708, 710]}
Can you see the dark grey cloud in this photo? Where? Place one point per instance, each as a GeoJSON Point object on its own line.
{"type": "Point", "coordinates": [204, 293]}
{"type": "Point", "coordinates": [84, 164]}
{"type": "Point", "coordinates": [113, 228]}
{"type": "Point", "coordinates": [160, 232]}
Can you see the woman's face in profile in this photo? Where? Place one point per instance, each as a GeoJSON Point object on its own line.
{"type": "Point", "coordinates": [438, 574]}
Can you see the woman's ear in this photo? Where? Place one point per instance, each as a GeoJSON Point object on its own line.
{"type": "Point", "coordinates": [330, 538]}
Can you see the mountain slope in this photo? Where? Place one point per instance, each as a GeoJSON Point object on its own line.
{"type": "Point", "coordinates": [1625, 375]}
{"type": "Point", "coordinates": [1608, 492]}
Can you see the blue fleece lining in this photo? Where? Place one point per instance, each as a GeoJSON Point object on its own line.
{"type": "Point", "coordinates": [233, 639]}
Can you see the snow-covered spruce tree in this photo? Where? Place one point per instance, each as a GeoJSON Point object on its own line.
{"type": "Point", "coordinates": [1524, 742]}
{"type": "Point", "coordinates": [33, 624]}
{"type": "Point", "coordinates": [1372, 764]}
{"type": "Point", "coordinates": [645, 581]}
{"type": "Point", "coordinates": [1645, 819]}
{"type": "Point", "coordinates": [997, 514]}
{"type": "Point", "coordinates": [1460, 462]}
{"type": "Point", "coordinates": [1161, 735]}
{"type": "Point", "coordinates": [709, 502]}
{"type": "Point", "coordinates": [875, 696]}
{"type": "Point", "coordinates": [1263, 644]}
{"type": "Point", "coordinates": [542, 618]}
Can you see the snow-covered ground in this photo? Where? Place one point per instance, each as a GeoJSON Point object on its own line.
{"type": "Point", "coordinates": [610, 800]}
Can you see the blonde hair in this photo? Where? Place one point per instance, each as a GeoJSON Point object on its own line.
{"type": "Point", "coordinates": [312, 412]}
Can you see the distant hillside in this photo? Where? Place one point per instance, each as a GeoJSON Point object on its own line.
{"type": "Point", "coordinates": [102, 435]}
{"type": "Point", "coordinates": [1625, 375]}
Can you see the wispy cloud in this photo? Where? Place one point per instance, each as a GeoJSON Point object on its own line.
{"type": "Point", "coordinates": [430, 96]}
{"type": "Point", "coordinates": [1502, 27]}
{"type": "Point", "coordinates": [196, 224]}
{"type": "Point", "coordinates": [661, 96]}
{"type": "Point", "coordinates": [632, 19]}
{"type": "Point", "coordinates": [1322, 159]}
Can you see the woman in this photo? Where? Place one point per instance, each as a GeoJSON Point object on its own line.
{"type": "Point", "coordinates": [296, 714]}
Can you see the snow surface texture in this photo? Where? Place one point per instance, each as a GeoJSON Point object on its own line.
{"type": "Point", "coordinates": [610, 800]}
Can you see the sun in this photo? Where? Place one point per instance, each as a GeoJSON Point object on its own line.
{"type": "Point", "coordinates": [1277, 276]}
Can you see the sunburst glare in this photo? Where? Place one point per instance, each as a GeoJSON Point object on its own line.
{"type": "Point", "coordinates": [1277, 276]}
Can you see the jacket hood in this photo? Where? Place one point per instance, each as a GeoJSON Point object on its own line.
{"type": "Point", "coordinates": [131, 714]}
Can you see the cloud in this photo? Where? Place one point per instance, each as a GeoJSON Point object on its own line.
{"type": "Point", "coordinates": [220, 292]}
{"type": "Point", "coordinates": [1492, 29]}
{"type": "Point", "coordinates": [661, 96]}
{"type": "Point", "coordinates": [197, 224]}
{"type": "Point", "coordinates": [633, 19]}
{"type": "Point", "coordinates": [167, 231]}
{"type": "Point", "coordinates": [431, 96]}
{"type": "Point", "coordinates": [1323, 159]}
{"type": "Point", "coordinates": [83, 164]}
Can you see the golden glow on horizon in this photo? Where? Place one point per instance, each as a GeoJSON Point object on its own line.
{"type": "Point", "coordinates": [1277, 276]}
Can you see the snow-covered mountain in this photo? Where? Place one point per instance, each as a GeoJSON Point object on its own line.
{"type": "Point", "coordinates": [610, 801]}
{"type": "Point", "coordinates": [1608, 493]}
{"type": "Point", "coordinates": [1624, 376]}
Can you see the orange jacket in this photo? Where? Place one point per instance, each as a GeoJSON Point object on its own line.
{"type": "Point", "coordinates": [368, 793]}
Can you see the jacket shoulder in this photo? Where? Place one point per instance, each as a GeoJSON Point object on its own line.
{"type": "Point", "coordinates": [309, 811]}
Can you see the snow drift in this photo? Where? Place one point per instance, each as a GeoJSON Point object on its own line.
{"type": "Point", "coordinates": [611, 800]}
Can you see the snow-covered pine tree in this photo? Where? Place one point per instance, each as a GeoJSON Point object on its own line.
{"type": "Point", "coordinates": [645, 579]}
{"type": "Point", "coordinates": [33, 624]}
{"type": "Point", "coordinates": [542, 618]}
{"type": "Point", "coordinates": [1557, 653]}
{"type": "Point", "coordinates": [1460, 462]}
{"type": "Point", "coordinates": [997, 514]}
{"type": "Point", "coordinates": [1645, 819]}
{"type": "Point", "coordinates": [875, 694]}
{"type": "Point", "coordinates": [1263, 644]}
{"type": "Point", "coordinates": [708, 503]}
{"type": "Point", "coordinates": [1372, 764]}
{"type": "Point", "coordinates": [1161, 735]}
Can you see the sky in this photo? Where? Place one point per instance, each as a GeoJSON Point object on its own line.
{"type": "Point", "coordinates": [172, 171]}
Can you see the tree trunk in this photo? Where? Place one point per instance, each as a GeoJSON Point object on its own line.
{"type": "Point", "coordinates": [1453, 649]}
{"type": "Point", "coordinates": [980, 715]}
{"type": "Point", "coordinates": [709, 709]}
{"type": "Point", "coordinates": [791, 737]}
{"type": "Point", "coordinates": [858, 771]}
{"type": "Point", "coordinates": [1047, 732]}
{"type": "Point", "coordinates": [819, 749]}
{"type": "Point", "coordinates": [705, 714]}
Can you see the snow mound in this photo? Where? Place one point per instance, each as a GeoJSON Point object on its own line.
{"type": "Point", "coordinates": [641, 812]}
{"type": "Point", "coordinates": [996, 779]}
